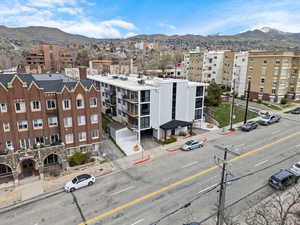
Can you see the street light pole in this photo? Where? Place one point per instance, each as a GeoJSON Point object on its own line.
{"type": "Point", "coordinates": [232, 105]}
{"type": "Point", "coordinates": [247, 101]}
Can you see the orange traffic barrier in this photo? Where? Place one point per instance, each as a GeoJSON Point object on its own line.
{"type": "Point", "coordinates": [173, 149]}
{"type": "Point", "coordinates": [142, 160]}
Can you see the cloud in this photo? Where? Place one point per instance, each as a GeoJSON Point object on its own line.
{"type": "Point", "coordinates": [71, 11]}
{"type": "Point", "coordinates": [168, 26]}
{"type": "Point", "coordinates": [242, 15]}
{"type": "Point", "coordinates": [50, 16]}
{"type": "Point", "coordinates": [130, 34]}
{"type": "Point", "coordinates": [50, 3]}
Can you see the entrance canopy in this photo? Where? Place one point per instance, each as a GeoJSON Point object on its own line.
{"type": "Point", "coordinates": [173, 124]}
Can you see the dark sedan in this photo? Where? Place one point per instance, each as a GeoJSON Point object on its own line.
{"type": "Point", "coordinates": [296, 111]}
{"type": "Point", "coordinates": [251, 125]}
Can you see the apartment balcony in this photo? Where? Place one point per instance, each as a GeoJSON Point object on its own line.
{"type": "Point", "coordinates": [132, 114]}
{"type": "Point", "coordinates": [130, 100]}
{"type": "Point", "coordinates": [132, 126]}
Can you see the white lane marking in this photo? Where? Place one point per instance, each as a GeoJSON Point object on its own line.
{"type": "Point", "coordinates": [260, 163]}
{"type": "Point", "coordinates": [141, 220]}
{"type": "Point", "coordinates": [297, 146]}
{"type": "Point", "coordinates": [123, 190]}
{"type": "Point", "coordinates": [276, 132]}
{"type": "Point", "coordinates": [190, 164]}
{"type": "Point", "coordinates": [205, 189]}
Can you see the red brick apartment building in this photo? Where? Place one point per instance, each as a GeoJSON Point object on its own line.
{"type": "Point", "coordinates": [43, 121]}
{"type": "Point", "coordinates": [48, 58]}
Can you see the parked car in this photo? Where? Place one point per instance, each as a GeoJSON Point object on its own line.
{"type": "Point", "coordinates": [79, 182]}
{"type": "Point", "coordinates": [250, 125]}
{"type": "Point", "coordinates": [269, 119]}
{"type": "Point", "coordinates": [296, 168]}
{"type": "Point", "coordinates": [192, 144]}
{"type": "Point", "coordinates": [296, 111]}
{"type": "Point", "coordinates": [283, 179]}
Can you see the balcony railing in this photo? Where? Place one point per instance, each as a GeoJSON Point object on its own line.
{"type": "Point", "coordinates": [131, 100]}
{"type": "Point", "coordinates": [132, 114]}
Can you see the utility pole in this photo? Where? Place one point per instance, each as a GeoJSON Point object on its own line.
{"type": "Point", "coordinates": [247, 101]}
{"type": "Point", "coordinates": [221, 206]}
{"type": "Point", "coordinates": [232, 105]}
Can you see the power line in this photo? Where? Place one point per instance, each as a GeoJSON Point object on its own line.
{"type": "Point", "coordinates": [217, 185]}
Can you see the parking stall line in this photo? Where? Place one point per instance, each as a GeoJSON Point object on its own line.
{"type": "Point", "coordinates": [123, 190]}
{"type": "Point", "coordinates": [141, 220]}
{"type": "Point", "coordinates": [190, 164]}
{"type": "Point", "coordinates": [260, 163]}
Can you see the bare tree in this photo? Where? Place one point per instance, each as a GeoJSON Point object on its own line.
{"type": "Point", "coordinates": [283, 209]}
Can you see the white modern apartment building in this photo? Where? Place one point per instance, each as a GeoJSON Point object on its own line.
{"type": "Point", "coordinates": [239, 70]}
{"type": "Point", "coordinates": [162, 107]}
{"type": "Point", "coordinates": [213, 66]}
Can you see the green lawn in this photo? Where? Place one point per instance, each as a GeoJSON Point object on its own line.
{"type": "Point", "coordinates": [222, 113]}
{"type": "Point", "coordinates": [105, 122]}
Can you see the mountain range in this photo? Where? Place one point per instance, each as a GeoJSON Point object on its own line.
{"type": "Point", "coordinates": [12, 39]}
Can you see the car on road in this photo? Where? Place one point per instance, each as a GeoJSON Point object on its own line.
{"type": "Point", "coordinates": [296, 111]}
{"type": "Point", "coordinates": [80, 181]}
{"type": "Point", "coordinates": [283, 179]}
{"type": "Point", "coordinates": [192, 144]}
{"type": "Point", "coordinates": [269, 119]}
{"type": "Point", "coordinates": [296, 168]}
{"type": "Point", "coordinates": [250, 125]}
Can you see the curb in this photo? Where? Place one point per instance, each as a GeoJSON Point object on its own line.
{"type": "Point", "coordinates": [226, 132]}
{"type": "Point", "coordinates": [32, 200]}
{"type": "Point", "coordinates": [173, 149]}
{"type": "Point", "coordinates": [142, 161]}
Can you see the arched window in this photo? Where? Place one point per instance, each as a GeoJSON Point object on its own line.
{"type": "Point", "coordinates": [51, 159]}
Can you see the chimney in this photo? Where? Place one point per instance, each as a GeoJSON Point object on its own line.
{"type": "Point", "coordinates": [82, 72]}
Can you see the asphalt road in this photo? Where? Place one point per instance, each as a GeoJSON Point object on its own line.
{"type": "Point", "coordinates": [142, 195]}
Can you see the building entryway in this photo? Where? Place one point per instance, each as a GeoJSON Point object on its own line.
{"type": "Point", "coordinates": [52, 165]}
{"type": "Point", "coordinates": [28, 168]}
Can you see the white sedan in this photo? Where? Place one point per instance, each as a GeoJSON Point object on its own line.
{"type": "Point", "coordinates": [296, 168]}
{"type": "Point", "coordinates": [79, 182]}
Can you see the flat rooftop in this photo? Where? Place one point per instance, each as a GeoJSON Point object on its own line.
{"type": "Point", "coordinates": [131, 82]}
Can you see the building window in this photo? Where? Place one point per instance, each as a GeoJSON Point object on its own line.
{"type": "Point", "coordinates": [6, 127]}
{"type": "Point", "coordinates": [119, 100]}
{"type": "Point", "coordinates": [66, 104]}
{"type": "Point", "coordinates": [265, 61]}
{"type": "Point", "coordinates": [9, 144]}
{"type": "Point", "coordinates": [20, 107]}
{"type": "Point", "coordinates": [52, 122]}
{"type": "Point", "coordinates": [198, 103]}
{"type": "Point", "coordinates": [40, 140]}
{"type": "Point", "coordinates": [54, 139]}
{"type": "Point", "coordinates": [82, 136]}
{"type": "Point", "coordinates": [95, 134]}
{"type": "Point", "coordinates": [69, 138]}
{"type": "Point", "coordinates": [24, 143]}
{"type": "Point", "coordinates": [51, 104]}
{"type": "Point", "coordinates": [145, 122]}
{"type": "Point", "coordinates": [80, 120]}
{"type": "Point", "coordinates": [145, 96]}
{"type": "Point", "coordinates": [94, 118]}
{"type": "Point", "coordinates": [79, 102]}
{"type": "Point", "coordinates": [145, 109]}
{"type": "Point", "coordinates": [261, 90]}
{"type": "Point", "coordinates": [3, 107]}
{"type": "Point", "coordinates": [93, 102]}
{"type": "Point", "coordinates": [35, 106]}
{"type": "Point", "coordinates": [22, 125]}
{"type": "Point", "coordinates": [68, 121]}
{"type": "Point", "coordinates": [273, 91]}
{"type": "Point", "coordinates": [37, 124]}
{"type": "Point", "coordinates": [198, 114]}
{"type": "Point", "coordinates": [262, 80]}
{"type": "Point", "coordinates": [199, 91]}
{"type": "Point", "coordinates": [174, 93]}
{"type": "Point", "coordinates": [277, 61]}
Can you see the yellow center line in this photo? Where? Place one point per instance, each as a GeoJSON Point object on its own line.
{"type": "Point", "coordinates": [184, 180]}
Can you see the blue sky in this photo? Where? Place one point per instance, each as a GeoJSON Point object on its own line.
{"type": "Point", "coordinates": [123, 18]}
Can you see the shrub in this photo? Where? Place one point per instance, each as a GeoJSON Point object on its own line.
{"type": "Point", "coordinates": [78, 158]}
{"type": "Point", "coordinates": [192, 133]}
{"type": "Point", "coordinates": [242, 97]}
{"type": "Point", "coordinates": [283, 101]}
{"type": "Point", "coordinates": [170, 140]}
{"type": "Point", "coordinates": [259, 101]}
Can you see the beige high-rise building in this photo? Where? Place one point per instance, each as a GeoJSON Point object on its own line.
{"type": "Point", "coordinates": [193, 64]}
{"type": "Point", "coordinates": [227, 73]}
{"type": "Point", "coordinates": [274, 75]}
